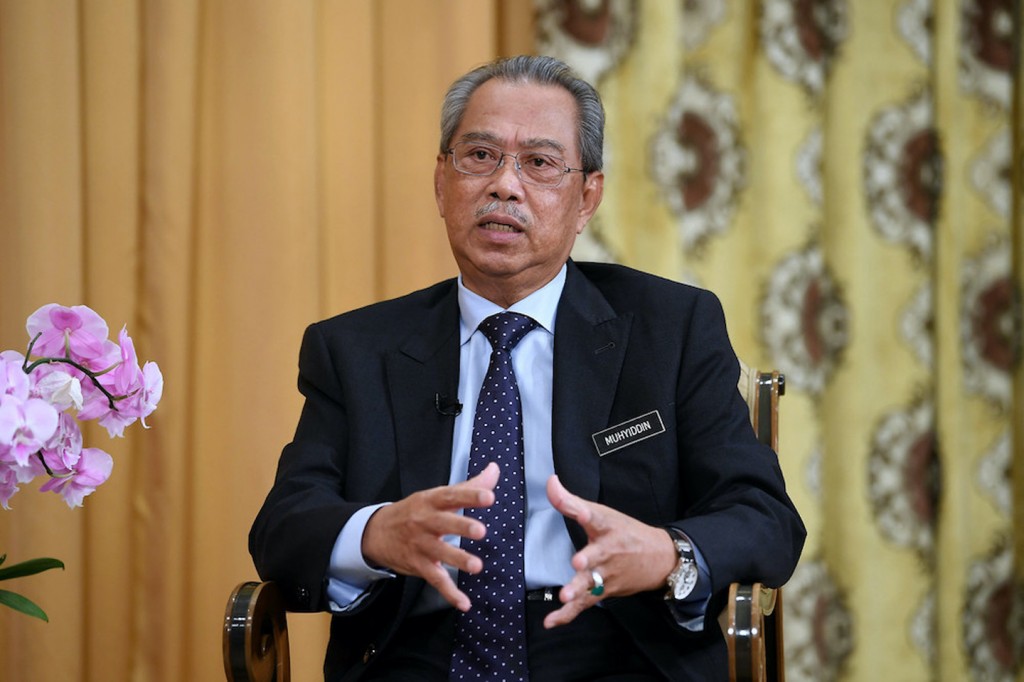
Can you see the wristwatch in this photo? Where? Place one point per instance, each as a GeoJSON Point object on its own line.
{"type": "Point", "coordinates": [683, 579]}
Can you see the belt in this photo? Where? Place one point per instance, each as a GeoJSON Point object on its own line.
{"type": "Point", "coordinates": [544, 593]}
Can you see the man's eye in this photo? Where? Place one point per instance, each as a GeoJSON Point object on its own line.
{"type": "Point", "coordinates": [540, 161]}
{"type": "Point", "coordinates": [481, 154]}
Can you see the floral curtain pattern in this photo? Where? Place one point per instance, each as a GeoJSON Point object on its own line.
{"type": "Point", "coordinates": [846, 176]}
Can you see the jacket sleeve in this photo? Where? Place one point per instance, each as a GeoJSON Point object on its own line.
{"type": "Point", "coordinates": [296, 528]}
{"type": "Point", "coordinates": [737, 509]}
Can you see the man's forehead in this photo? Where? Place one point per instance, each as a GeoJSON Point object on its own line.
{"type": "Point", "coordinates": [537, 115]}
{"type": "Point", "coordinates": [524, 143]}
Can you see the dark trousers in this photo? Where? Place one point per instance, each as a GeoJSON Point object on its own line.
{"type": "Point", "coordinates": [591, 648]}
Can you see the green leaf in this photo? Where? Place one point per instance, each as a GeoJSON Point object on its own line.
{"type": "Point", "coordinates": [23, 604]}
{"type": "Point", "coordinates": [30, 567]}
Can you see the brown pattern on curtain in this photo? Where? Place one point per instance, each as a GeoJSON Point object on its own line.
{"type": "Point", "coordinates": [842, 174]}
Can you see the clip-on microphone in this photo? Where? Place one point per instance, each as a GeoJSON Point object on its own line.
{"type": "Point", "coordinates": [449, 407]}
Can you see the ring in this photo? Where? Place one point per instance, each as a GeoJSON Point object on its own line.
{"type": "Point", "coordinates": [598, 589]}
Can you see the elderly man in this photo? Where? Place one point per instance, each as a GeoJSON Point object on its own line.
{"type": "Point", "coordinates": [541, 469]}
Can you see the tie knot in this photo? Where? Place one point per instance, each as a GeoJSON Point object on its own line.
{"type": "Point", "coordinates": [505, 330]}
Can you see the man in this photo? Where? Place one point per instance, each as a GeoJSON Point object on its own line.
{"type": "Point", "coordinates": [625, 458]}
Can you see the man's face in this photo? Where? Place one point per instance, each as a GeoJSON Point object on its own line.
{"type": "Point", "coordinates": [510, 238]}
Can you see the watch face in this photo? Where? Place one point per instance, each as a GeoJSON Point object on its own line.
{"type": "Point", "coordinates": [686, 581]}
{"type": "Point", "coordinates": [684, 578]}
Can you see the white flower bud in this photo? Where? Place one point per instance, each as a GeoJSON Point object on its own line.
{"type": "Point", "coordinates": [61, 390]}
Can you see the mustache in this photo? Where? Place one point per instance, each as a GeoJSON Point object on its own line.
{"type": "Point", "coordinates": [508, 208]}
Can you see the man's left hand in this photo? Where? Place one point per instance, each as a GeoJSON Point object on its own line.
{"type": "Point", "coordinates": [629, 555]}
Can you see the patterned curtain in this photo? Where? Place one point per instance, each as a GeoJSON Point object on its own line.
{"type": "Point", "coordinates": [847, 177]}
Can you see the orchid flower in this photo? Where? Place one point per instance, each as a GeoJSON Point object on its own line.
{"type": "Point", "coordinates": [70, 373]}
{"type": "Point", "coordinates": [8, 483]}
{"type": "Point", "coordinates": [64, 448]}
{"type": "Point", "coordinates": [77, 332]}
{"type": "Point", "coordinates": [93, 469]}
{"type": "Point", "coordinates": [13, 380]}
{"type": "Point", "coordinates": [25, 426]}
{"type": "Point", "coordinates": [61, 389]}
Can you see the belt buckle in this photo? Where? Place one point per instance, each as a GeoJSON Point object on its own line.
{"type": "Point", "coordinates": [543, 594]}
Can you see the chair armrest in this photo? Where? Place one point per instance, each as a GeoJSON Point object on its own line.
{"type": "Point", "coordinates": [256, 634]}
{"type": "Point", "coordinates": [752, 626]}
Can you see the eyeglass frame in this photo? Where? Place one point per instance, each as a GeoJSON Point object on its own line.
{"type": "Point", "coordinates": [566, 168]}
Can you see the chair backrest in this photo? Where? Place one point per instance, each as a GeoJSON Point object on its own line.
{"type": "Point", "coordinates": [752, 620]}
{"type": "Point", "coordinates": [255, 638]}
{"type": "Point", "coordinates": [762, 391]}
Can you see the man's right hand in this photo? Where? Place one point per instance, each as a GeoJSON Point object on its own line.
{"type": "Point", "coordinates": [407, 536]}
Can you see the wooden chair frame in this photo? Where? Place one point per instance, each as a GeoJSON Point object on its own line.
{"type": "Point", "coordinates": [255, 639]}
{"type": "Point", "coordinates": [256, 634]}
{"type": "Point", "coordinates": [752, 619]}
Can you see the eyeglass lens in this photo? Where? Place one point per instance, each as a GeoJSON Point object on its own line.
{"type": "Point", "coordinates": [534, 167]}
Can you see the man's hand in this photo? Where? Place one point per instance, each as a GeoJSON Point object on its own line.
{"type": "Point", "coordinates": [630, 556]}
{"type": "Point", "coordinates": [406, 537]}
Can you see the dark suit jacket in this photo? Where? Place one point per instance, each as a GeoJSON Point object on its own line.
{"type": "Point", "coordinates": [626, 343]}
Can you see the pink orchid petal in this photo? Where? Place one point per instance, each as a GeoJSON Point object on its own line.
{"type": "Point", "coordinates": [41, 419]}
{"type": "Point", "coordinates": [10, 418]}
{"type": "Point", "coordinates": [13, 380]}
{"type": "Point", "coordinates": [93, 470]}
{"type": "Point", "coordinates": [85, 331]}
{"type": "Point", "coordinates": [8, 485]}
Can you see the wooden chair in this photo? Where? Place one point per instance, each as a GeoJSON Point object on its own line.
{"type": "Point", "coordinates": [752, 619]}
{"type": "Point", "coordinates": [255, 637]}
{"type": "Point", "coordinates": [256, 634]}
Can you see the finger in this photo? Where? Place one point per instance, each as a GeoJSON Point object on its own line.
{"type": "Point", "coordinates": [566, 503]}
{"type": "Point", "coordinates": [566, 614]}
{"type": "Point", "coordinates": [450, 523]}
{"type": "Point", "coordinates": [594, 554]}
{"type": "Point", "coordinates": [459, 558]}
{"type": "Point", "coordinates": [461, 496]}
{"type": "Point", "coordinates": [477, 491]}
{"type": "Point", "coordinates": [442, 581]}
{"type": "Point", "coordinates": [486, 479]}
{"type": "Point", "coordinates": [579, 587]}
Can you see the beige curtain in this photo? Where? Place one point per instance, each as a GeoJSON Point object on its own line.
{"type": "Point", "coordinates": [215, 175]}
{"type": "Point", "coordinates": [847, 177]}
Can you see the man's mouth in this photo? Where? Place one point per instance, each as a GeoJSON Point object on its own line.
{"type": "Point", "coordinates": [499, 227]}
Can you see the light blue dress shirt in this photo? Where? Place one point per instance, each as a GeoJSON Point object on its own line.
{"type": "Point", "coordinates": [548, 547]}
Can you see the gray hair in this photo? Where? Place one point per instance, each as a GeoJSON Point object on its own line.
{"type": "Point", "coordinates": [539, 70]}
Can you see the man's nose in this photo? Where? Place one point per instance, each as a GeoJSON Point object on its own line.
{"type": "Point", "coordinates": [506, 183]}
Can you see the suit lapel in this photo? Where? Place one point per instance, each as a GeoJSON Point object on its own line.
{"type": "Point", "coordinates": [427, 364]}
{"type": "Point", "coordinates": [590, 344]}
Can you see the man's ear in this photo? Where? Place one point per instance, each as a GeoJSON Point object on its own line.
{"type": "Point", "coordinates": [439, 183]}
{"type": "Point", "coordinates": [593, 191]}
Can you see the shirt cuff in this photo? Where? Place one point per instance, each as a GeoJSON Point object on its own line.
{"type": "Point", "coordinates": [348, 575]}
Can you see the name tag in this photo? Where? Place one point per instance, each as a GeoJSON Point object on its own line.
{"type": "Point", "coordinates": [629, 432]}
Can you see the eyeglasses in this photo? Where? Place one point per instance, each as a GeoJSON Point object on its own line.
{"type": "Point", "coordinates": [533, 168]}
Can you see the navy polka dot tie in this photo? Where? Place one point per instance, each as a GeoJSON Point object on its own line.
{"type": "Point", "coordinates": [490, 640]}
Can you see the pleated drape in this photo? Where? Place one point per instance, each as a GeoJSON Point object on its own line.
{"type": "Point", "coordinates": [846, 176]}
{"type": "Point", "coordinates": [214, 175]}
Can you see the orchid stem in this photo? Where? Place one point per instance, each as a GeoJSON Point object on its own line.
{"type": "Point", "coordinates": [68, 361]}
{"type": "Point", "coordinates": [49, 471]}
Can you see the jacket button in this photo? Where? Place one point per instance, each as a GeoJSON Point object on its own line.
{"type": "Point", "coordinates": [370, 652]}
{"type": "Point", "coordinates": [303, 596]}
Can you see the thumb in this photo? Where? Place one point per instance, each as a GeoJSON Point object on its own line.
{"type": "Point", "coordinates": [565, 502]}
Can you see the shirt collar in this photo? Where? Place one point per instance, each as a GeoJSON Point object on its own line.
{"type": "Point", "coordinates": [541, 305]}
